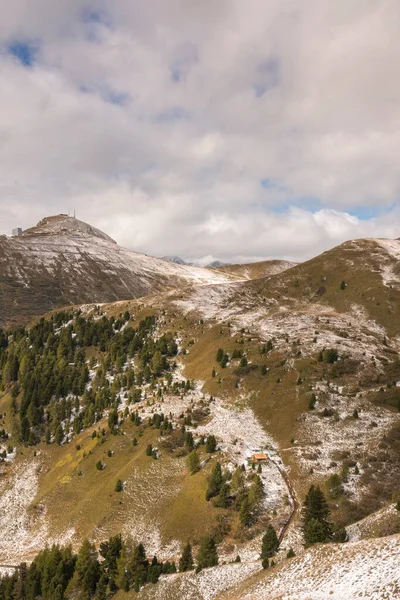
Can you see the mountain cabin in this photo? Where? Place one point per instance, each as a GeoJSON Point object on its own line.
{"type": "Point", "coordinates": [259, 458]}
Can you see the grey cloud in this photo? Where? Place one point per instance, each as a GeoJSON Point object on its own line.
{"type": "Point", "coordinates": [304, 95]}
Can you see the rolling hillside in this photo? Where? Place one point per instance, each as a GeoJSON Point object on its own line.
{"type": "Point", "coordinates": [256, 270]}
{"type": "Point", "coordinates": [302, 365]}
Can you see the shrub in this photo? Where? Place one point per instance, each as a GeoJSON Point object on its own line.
{"type": "Point", "coordinates": [330, 356]}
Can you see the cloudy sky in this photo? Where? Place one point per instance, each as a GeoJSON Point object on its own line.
{"type": "Point", "coordinates": [207, 129]}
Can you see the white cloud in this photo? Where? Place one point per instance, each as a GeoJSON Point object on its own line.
{"type": "Point", "coordinates": [158, 121]}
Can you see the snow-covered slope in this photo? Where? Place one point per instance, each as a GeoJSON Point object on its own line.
{"type": "Point", "coordinates": [65, 261]}
{"type": "Point", "coordinates": [63, 225]}
{"type": "Point", "coordinates": [366, 569]}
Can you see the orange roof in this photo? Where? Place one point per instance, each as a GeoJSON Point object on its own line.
{"type": "Point", "coordinates": [259, 456]}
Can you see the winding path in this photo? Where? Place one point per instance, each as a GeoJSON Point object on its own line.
{"type": "Point", "coordinates": [295, 504]}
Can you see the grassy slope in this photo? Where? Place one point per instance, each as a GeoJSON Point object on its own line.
{"type": "Point", "coordinates": [159, 492]}
{"type": "Point", "coordinates": [170, 497]}
{"type": "Point", "coordinates": [257, 269]}
{"type": "Point", "coordinates": [357, 263]}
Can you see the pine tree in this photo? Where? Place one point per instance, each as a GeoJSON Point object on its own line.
{"type": "Point", "coordinates": [20, 585]}
{"type": "Point", "coordinates": [215, 482]}
{"type": "Point", "coordinates": [314, 532]}
{"type": "Point", "coordinates": [221, 501]}
{"type": "Point", "coordinates": [59, 434]}
{"type": "Point", "coordinates": [316, 524]}
{"type": "Point", "coordinates": [193, 462]}
{"type": "Point", "coordinates": [87, 570]}
{"type": "Point", "coordinates": [245, 513]}
{"type": "Point", "coordinates": [157, 363]}
{"type": "Point", "coordinates": [225, 360]}
{"type": "Point", "coordinates": [186, 560]}
{"type": "Point", "coordinates": [207, 556]}
{"type": "Point", "coordinates": [237, 482]}
{"type": "Point", "coordinates": [101, 590]}
{"type": "Point", "coordinates": [189, 441]}
{"type": "Point", "coordinates": [256, 492]}
{"type": "Point", "coordinates": [211, 444]}
{"type": "Point", "coordinates": [113, 420]}
{"type": "Point", "coordinates": [270, 543]}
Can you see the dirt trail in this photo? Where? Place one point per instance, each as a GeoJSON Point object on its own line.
{"type": "Point", "coordinates": [295, 504]}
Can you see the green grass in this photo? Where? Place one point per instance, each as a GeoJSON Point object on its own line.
{"type": "Point", "coordinates": [162, 493]}
{"type": "Point", "coordinates": [189, 514]}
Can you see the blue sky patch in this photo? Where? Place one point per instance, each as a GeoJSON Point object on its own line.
{"type": "Point", "coordinates": [115, 97]}
{"type": "Point", "coordinates": [366, 213]}
{"type": "Point", "coordinates": [23, 52]}
{"type": "Point", "coordinates": [107, 94]}
{"type": "Point", "coordinates": [267, 183]}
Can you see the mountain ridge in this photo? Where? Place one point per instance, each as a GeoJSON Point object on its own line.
{"type": "Point", "coordinates": [64, 261]}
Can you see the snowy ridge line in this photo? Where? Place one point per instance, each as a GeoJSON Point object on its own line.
{"type": "Point", "coordinates": [46, 251]}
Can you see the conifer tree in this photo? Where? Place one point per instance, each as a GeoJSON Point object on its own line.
{"type": "Point", "coordinates": [193, 462]}
{"type": "Point", "coordinates": [221, 501]}
{"type": "Point", "coordinates": [215, 482]}
{"type": "Point", "coordinates": [207, 556]}
{"type": "Point", "coordinates": [20, 584]}
{"type": "Point", "coordinates": [270, 543]}
{"type": "Point", "coordinates": [101, 590]}
{"type": "Point", "coordinates": [245, 513]}
{"type": "Point", "coordinates": [256, 492]}
{"type": "Point", "coordinates": [237, 481]}
{"type": "Point", "coordinates": [211, 444]}
{"type": "Point", "coordinates": [316, 524]}
{"type": "Point", "coordinates": [87, 570]}
{"type": "Point", "coordinates": [59, 434]}
{"type": "Point", "coordinates": [189, 440]}
{"type": "Point", "coordinates": [186, 560]}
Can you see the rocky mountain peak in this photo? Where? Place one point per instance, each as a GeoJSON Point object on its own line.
{"type": "Point", "coordinates": [65, 225]}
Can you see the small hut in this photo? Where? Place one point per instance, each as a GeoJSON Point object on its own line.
{"type": "Point", "coordinates": [259, 458]}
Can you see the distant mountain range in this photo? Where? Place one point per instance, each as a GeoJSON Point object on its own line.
{"type": "Point", "coordinates": [179, 261]}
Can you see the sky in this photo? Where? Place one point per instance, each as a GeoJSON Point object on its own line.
{"type": "Point", "coordinates": [206, 129]}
